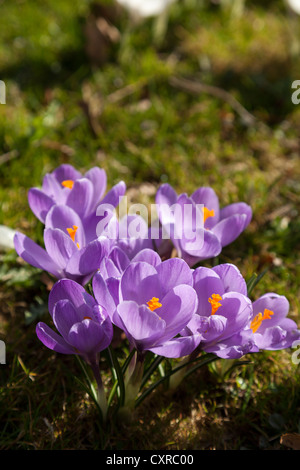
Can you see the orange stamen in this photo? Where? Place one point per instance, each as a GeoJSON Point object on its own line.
{"type": "Point", "coordinates": [68, 184]}
{"type": "Point", "coordinates": [87, 318]}
{"type": "Point", "coordinates": [72, 233]}
{"type": "Point", "coordinates": [207, 213]}
{"type": "Point", "coordinates": [215, 304]}
{"type": "Point", "coordinates": [153, 304]}
{"type": "Point", "coordinates": [257, 321]}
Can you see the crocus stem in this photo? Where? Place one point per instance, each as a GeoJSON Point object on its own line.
{"type": "Point", "coordinates": [134, 381]}
{"type": "Point", "coordinates": [101, 397]}
{"type": "Point", "coordinates": [132, 385]}
{"type": "Point", "coordinates": [177, 378]}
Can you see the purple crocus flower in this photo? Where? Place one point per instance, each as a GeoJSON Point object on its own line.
{"type": "Point", "coordinates": [83, 326]}
{"type": "Point", "coordinates": [223, 314]}
{"type": "Point", "coordinates": [213, 228]}
{"type": "Point", "coordinates": [82, 193]}
{"type": "Point", "coordinates": [151, 304]}
{"type": "Point", "coordinates": [115, 263]}
{"type": "Point", "coordinates": [69, 250]}
{"type": "Point", "coordinates": [271, 328]}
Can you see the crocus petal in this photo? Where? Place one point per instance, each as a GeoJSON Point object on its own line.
{"type": "Point", "coordinates": [86, 260]}
{"type": "Point", "coordinates": [39, 203]}
{"type": "Point", "coordinates": [66, 172]}
{"type": "Point", "coordinates": [206, 283]}
{"type": "Point", "coordinates": [208, 197]}
{"type": "Point", "coordinates": [119, 259]}
{"type": "Point", "coordinates": [227, 230]}
{"type": "Point", "coordinates": [237, 308]}
{"type": "Point", "coordinates": [88, 337]}
{"type": "Point", "coordinates": [64, 317]}
{"type": "Point", "coordinates": [113, 285]}
{"type": "Point", "coordinates": [189, 226]}
{"type": "Point", "coordinates": [237, 208]}
{"type": "Point", "coordinates": [178, 307]}
{"type": "Point", "coordinates": [35, 255]}
{"type": "Point", "coordinates": [231, 277]}
{"type": "Point", "coordinates": [114, 194]}
{"type": "Point", "coordinates": [210, 248]}
{"type": "Point", "coordinates": [59, 246]}
{"type": "Point", "coordinates": [276, 338]}
{"type": "Point", "coordinates": [148, 256]}
{"type": "Point", "coordinates": [64, 217]}
{"type": "Point", "coordinates": [165, 195]}
{"type": "Point", "coordinates": [52, 340]}
{"type": "Point", "coordinates": [177, 347]}
{"type": "Point", "coordinates": [233, 347]}
{"type": "Point", "coordinates": [212, 327]}
{"type": "Point", "coordinates": [114, 264]}
{"type": "Point", "coordinates": [173, 272]}
{"type": "Point", "coordinates": [142, 326]}
{"type": "Point", "coordinates": [80, 197]}
{"type": "Point", "coordinates": [71, 290]}
{"type": "Point", "coordinates": [278, 304]}
{"type": "Point", "coordinates": [103, 224]}
{"type": "Point", "coordinates": [140, 283]}
{"type": "Point", "coordinates": [102, 294]}
{"type": "Point", "coordinates": [99, 180]}
{"type": "Point", "coordinates": [53, 188]}
{"type": "Point", "coordinates": [166, 199]}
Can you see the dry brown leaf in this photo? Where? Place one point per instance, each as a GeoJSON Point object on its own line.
{"type": "Point", "coordinates": [291, 440]}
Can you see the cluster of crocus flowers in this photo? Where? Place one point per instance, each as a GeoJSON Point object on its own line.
{"type": "Point", "coordinates": [219, 228]}
{"type": "Point", "coordinates": [166, 306]}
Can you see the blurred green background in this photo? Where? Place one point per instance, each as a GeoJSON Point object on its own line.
{"type": "Point", "coordinates": [199, 95]}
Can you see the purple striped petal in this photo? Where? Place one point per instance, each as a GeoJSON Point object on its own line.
{"type": "Point", "coordinates": [72, 291]}
{"type": "Point", "coordinates": [278, 304]}
{"type": "Point", "coordinates": [52, 340]}
{"type": "Point", "coordinates": [231, 277]}
{"type": "Point", "coordinates": [177, 347]}
{"type": "Point", "coordinates": [227, 230]}
{"type": "Point", "coordinates": [35, 255]}
{"type": "Point", "coordinates": [51, 186]}
{"type": "Point", "coordinates": [88, 337]}
{"type": "Point", "coordinates": [63, 218]}
{"type": "Point", "coordinates": [103, 295]}
{"type": "Point", "coordinates": [59, 246]}
{"type": "Point", "coordinates": [142, 326]}
{"type": "Point", "coordinates": [173, 272]}
{"type": "Point", "coordinates": [206, 283]}
{"type": "Point", "coordinates": [178, 307]}
{"type": "Point", "coordinates": [39, 203]}
{"type": "Point", "coordinates": [98, 178]}
{"type": "Point", "coordinates": [80, 197]}
{"type": "Point", "coordinates": [208, 197]}
{"type": "Point", "coordinates": [114, 194]}
{"type": "Point", "coordinates": [237, 208]}
{"type": "Point", "coordinates": [140, 283]}
{"type": "Point", "coordinates": [148, 256]}
{"type": "Point", "coordinates": [64, 316]}
{"type": "Point", "coordinates": [87, 260]}
{"type": "Point", "coordinates": [66, 172]}
{"type": "Point", "coordinates": [166, 195]}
